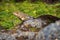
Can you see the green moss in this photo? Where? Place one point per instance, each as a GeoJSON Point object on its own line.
{"type": "Point", "coordinates": [8, 20]}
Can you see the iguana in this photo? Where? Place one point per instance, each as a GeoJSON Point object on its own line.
{"type": "Point", "coordinates": [37, 23]}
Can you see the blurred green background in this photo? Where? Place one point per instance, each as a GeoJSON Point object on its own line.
{"type": "Point", "coordinates": [33, 8]}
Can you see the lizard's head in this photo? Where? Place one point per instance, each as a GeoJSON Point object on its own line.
{"type": "Point", "coordinates": [21, 15]}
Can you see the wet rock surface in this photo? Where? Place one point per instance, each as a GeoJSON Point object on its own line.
{"type": "Point", "coordinates": [50, 32]}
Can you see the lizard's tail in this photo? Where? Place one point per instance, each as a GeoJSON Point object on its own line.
{"type": "Point", "coordinates": [49, 17]}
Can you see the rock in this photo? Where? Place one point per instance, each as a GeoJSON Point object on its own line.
{"type": "Point", "coordinates": [50, 32]}
{"type": "Point", "coordinates": [5, 36]}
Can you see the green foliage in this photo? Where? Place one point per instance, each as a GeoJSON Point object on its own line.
{"type": "Point", "coordinates": [37, 9]}
{"type": "Point", "coordinates": [8, 20]}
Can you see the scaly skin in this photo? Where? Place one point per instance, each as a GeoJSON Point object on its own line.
{"type": "Point", "coordinates": [39, 22]}
{"type": "Point", "coordinates": [29, 21]}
